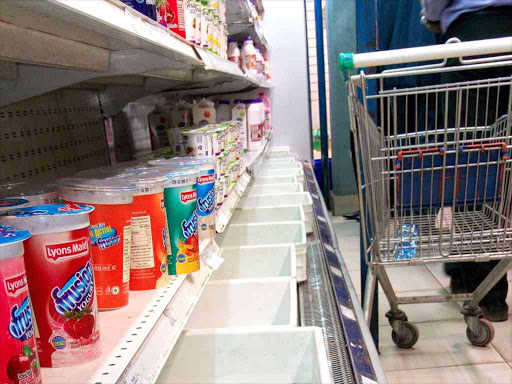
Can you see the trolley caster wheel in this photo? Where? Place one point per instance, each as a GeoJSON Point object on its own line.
{"type": "Point", "coordinates": [484, 336]}
{"type": "Point", "coordinates": [409, 338]}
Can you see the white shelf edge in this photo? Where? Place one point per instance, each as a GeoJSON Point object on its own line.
{"type": "Point", "coordinates": [138, 339]}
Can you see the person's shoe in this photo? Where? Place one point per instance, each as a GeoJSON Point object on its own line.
{"type": "Point", "coordinates": [495, 312]}
{"type": "Point", "coordinates": [352, 216]}
{"type": "Point", "coordinates": [457, 286]}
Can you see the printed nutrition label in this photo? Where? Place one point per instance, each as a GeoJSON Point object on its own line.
{"type": "Point", "coordinates": [127, 232]}
{"type": "Point", "coordinates": [142, 243]}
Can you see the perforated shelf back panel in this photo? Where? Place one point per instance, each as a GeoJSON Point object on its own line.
{"type": "Point", "coordinates": [52, 136]}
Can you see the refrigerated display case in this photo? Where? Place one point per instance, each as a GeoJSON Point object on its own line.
{"type": "Point", "coordinates": [280, 307]}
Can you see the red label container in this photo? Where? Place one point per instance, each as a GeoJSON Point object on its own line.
{"type": "Point", "coordinates": [110, 234]}
{"type": "Point", "coordinates": [18, 357]}
{"type": "Point", "coordinates": [149, 231]}
{"type": "Point", "coordinates": [61, 282]}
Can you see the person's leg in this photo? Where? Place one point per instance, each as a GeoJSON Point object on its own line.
{"type": "Point", "coordinates": [454, 270]}
{"type": "Point", "coordinates": [494, 304]}
{"type": "Point", "coordinates": [467, 28]}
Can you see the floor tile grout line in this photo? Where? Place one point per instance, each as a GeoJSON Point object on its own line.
{"type": "Point", "coordinates": [497, 350]}
{"type": "Point", "coordinates": [444, 366]}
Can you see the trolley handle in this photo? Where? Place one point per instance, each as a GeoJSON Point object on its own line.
{"type": "Point", "coordinates": [349, 61]}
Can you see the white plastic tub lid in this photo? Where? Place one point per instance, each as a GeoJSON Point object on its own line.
{"type": "Point", "coordinates": [51, 218]}
{"type": "Point", "coordinates": [10, 203]}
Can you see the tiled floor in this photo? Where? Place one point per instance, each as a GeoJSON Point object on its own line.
{"type": "Point", "coordinates": [442, 354]}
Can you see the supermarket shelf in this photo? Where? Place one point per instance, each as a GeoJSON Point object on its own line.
{"type": "Point", "coordinates": [104, 45]}
{"type": "Point", "coordinates": [252, 31]}
{"type": "Point", "coordinates": [237, 12]}
{"type": "Point", "coordinates": [138, 339]}
{"type": "Point", "coordinates": [241, 23]}
{"type": "Point", "coordinates": [252, 161]}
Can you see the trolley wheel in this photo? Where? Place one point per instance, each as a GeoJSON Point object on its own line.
{"type": "Point", "coordinates": [484, 336]}
{"type": "Point", "coordinates": [409, 338]}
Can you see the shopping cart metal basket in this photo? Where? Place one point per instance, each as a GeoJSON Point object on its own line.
{"type": "Point", "coordinates": [434, 174]}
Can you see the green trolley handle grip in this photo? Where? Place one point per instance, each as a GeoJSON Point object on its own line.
{"type": "Point", "coordinates": [346, 63]}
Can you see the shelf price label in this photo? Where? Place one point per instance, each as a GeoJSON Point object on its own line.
{"type": "Point", "coordinates": [211, 255]}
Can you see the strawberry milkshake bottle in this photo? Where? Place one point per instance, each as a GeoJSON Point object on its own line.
{"type": "Point", "coordinates": [18, 360]}
{"type": "Point", "coordinates": [110, 233]}
{"type": "Point", "coordinates": [61, 283]}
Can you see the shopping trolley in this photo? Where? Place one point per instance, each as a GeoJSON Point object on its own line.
{"type": "Point", "coordinates": [435, 174]}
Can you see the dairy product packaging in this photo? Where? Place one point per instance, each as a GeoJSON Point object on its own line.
{"type": "Point", "coordinates": [34, 194]}
{"type": "Point", "coordinates": [146, 7]}
{"type": "Point", "coordinates": [204, 113]}
{"type": "Point", "coordinates": [110, 233]}
{"type": "Point", "coordinates": [239, 113]}
{"type": "Point", "coordinates": [158, 124]}
{"type": "Point", "coordinates": [205, 187]}
{"type": "Point", "coordinates": [19, 361]}
{"type": "Point", "coordinates": [180, 200]}
{"type": "Point", "coordinates": [149, 232]}
{"type": "Point", "coordinates": [61, 284]}
{"type": "Point", "coordinates": [181, 115]}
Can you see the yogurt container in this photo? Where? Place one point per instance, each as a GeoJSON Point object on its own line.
{"type": "Point", "coordinates": [180, 200]}
{"type": "Point", "coordinates": [61, 282]}
{"type": "Point", "coordinates": [149, 235]}
{"type": "Point", "coordinates": [205, 191]}
{"type": "Point", "coordinates": [18, 361]}
{"type": "Point", "coordinates": [175, 136]}
{"type": "Point", "coordinates": [197, 143]}
{"type": "Point", "coordinates": [110, 233]}
{"type": "Point", "coordinates": [9, 203]}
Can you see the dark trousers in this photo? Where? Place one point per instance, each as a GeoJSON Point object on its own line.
{"type": "Point", "coordinates": [489, 23]}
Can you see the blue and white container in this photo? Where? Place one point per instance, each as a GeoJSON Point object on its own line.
{"type": "Point", "coordinates": [206, 200]}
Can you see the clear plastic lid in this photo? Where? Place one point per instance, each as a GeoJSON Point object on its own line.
{"type": "Point", "coordinates": [96, 191]}
{"type": "Point", "coordinates": [147, 182]}
{"type": "Point", "coordinates": [51, 218]}
{"type": "Point", "coordinates": [22, 189]}
{"type": "Point", "coordinates": [179, 176]}
{"type": "Point", "coordinates": [180, 161]}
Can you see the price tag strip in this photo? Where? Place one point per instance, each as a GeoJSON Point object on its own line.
{"type": "Point", "coordinates": [211, 255]}
{"type": "Point", "coordinates": [140, 355]}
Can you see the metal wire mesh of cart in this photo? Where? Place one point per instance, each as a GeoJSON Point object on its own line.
{"type": "Point", "coordinates": [434, 176]}
{"type": "Point", "coordinates": [436, 173]}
